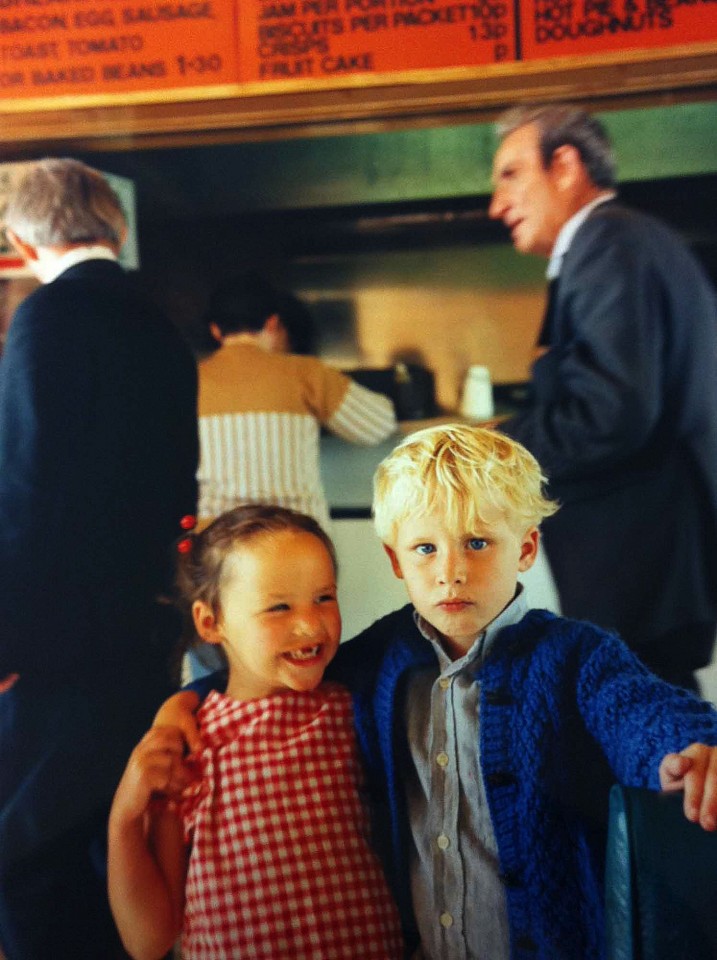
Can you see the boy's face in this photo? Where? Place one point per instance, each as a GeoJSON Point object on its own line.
{"type": "Point", "coordinates": [460, 582]}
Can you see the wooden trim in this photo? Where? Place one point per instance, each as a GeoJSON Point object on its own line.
{"type": "Point", "coordinates": [361, 104]}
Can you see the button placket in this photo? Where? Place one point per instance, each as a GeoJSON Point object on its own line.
{"type": "Point", "coordinates": [448, 900]}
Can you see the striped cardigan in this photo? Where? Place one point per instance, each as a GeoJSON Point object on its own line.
{"type": "Point", "coordinates": [260, 416]}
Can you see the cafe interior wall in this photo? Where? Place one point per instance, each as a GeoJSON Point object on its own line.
{"type": "Point", "coordinates": [386, 236]}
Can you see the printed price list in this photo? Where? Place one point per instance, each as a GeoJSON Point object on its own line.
{"type": "Point", "coordinates": [289, 39]}
{"type": "Point", "coordinates": [56, 48]}
{"type": "Point", "coordinates": [51, 48]}
{"type": "Point", "coordinates": [558, 28]}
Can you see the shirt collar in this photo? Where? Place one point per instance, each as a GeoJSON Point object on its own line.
{"type": "Point", "coordinates": [77, 255]}
{"type": "Point", "coordinates": [568, 231]}
{"type": "Point", "coordinates": [484, 642]}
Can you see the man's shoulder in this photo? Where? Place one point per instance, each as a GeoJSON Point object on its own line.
{"type": "Point", "coordinates": [88, 275]}
{"type": "Point", "coordinates": [91, 280]}
{"type": "Point", "coordinates": [616, 240]}
{"type": "Point", "coordinates": [614, 221]}
{"type": "Point", "coordinates": [112, 293]}
{"type": "Point", "coordinates": [43, 314]}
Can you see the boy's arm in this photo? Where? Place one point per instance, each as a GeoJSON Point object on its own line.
{"type": "Point", "coordinates": [179, 709]}
{"type": "Point", "coordinates": [178, 712]}
{"type": "Point", "coordinates": [147, 859]}
{"type": "Point", "coordinates": [694, 770]}
{"type": "Point", "coordinates": [639, 720]}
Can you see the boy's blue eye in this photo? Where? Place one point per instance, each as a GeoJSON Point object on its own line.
{"type": "Point", "coordinates": [477, 543]}
{"type": "Point", "coordinates": [278, 606]}
{"type": "Point", "coordinates": [423, 549]}
{"type": "Point", "coordinates": [327, 598]}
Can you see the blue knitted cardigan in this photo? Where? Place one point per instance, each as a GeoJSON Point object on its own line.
{"type": "Point", "coordinates": [565, 710]}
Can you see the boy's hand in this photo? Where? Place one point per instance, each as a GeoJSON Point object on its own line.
{"type": "Point", "coordinates": [156, 766]}
{"type": "Point", "coordinates": [693, 770]}
{"type": "Point", "coordinates": [178, 711]}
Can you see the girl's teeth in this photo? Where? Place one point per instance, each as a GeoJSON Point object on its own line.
{"type": "Point", "coordinates": [304, 654]}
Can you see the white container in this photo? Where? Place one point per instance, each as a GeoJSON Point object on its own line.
{"type": "Point", "coordinates": [477, 399]}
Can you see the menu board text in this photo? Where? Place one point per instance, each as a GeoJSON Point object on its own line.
{"type": "Point", "coordinates": [73, 48]}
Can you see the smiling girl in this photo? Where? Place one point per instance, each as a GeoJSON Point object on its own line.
{"type": "Point", "coordinates": [264, 852]}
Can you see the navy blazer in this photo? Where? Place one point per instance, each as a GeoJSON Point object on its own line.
{"type": "Point", "coordinates": [624, 422]}
{"type": "Point", "coordinates": [98, 454]}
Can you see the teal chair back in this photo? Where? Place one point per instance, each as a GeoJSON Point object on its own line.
{"type": "Point", "coordinates": [661, 880]}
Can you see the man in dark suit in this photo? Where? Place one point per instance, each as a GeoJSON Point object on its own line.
{"type": "Point", "coordinates": [98, 452]}
{"type": "Point", "coordinates": [624, 411]}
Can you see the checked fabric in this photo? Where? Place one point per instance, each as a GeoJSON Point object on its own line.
{"type": "Point", "coordinates": [280, 864]}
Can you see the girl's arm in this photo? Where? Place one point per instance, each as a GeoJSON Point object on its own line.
{"type": "Point", "coordinates": [147, 855]}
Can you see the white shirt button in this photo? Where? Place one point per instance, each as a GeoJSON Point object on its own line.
{"type": "Point", "coordinates": [442, 760]}
{"type": "Point", "coordinates": [443, 842]}
{"type": "Point", "coordinates": [446, 920]}
{"type": "Point", "coordinates": [444, 683]}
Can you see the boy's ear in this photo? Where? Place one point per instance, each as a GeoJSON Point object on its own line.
{"type": "Point", "coordinates": [394, 561]}
{"type": "Point", "coordinates": [529, 549]}
{"type": "Point", "coordinates": [205, 623]}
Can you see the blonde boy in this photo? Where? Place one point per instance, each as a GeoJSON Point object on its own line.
{"type": "Point", "coordinates": [494, 730]}
{"type": "Point", "coordinates": [491, 732]}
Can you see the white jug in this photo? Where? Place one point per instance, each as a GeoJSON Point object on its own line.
{"type": "Point", "coordinates": [477, 399]}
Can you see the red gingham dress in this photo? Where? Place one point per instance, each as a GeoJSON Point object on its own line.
{"type": "Point", "coordinates": [280, 864]}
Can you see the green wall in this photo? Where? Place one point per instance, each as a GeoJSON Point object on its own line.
{"type": "Point", "coordinates": [436, 162]}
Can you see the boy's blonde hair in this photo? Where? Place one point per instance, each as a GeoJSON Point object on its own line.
{"type": "Point", "coordinates": [467, 472]}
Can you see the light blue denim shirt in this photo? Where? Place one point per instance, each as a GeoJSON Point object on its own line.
{"type": "Point", "coordinates": [458, 897]}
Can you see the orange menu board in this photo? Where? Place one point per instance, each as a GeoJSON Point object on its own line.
{"type": "Point", "coordinates": [559, 28]}
{"type": "Point", "coordinates": [290, 39]}
{"type": "Point", "coordinates": [51, 48]}
{"type": "Point", "coordinates": [144, 49]}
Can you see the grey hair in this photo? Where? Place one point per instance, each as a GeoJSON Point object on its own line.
{"type": "Point", "coordinates": [60, 202]}
{"type": "Point", "coordinates": [561, 124]}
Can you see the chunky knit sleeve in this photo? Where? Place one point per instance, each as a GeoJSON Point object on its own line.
{"type": "Point", "coordinates": [634, 716]}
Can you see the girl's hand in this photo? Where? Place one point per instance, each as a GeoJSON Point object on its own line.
{"type": "Point", "coordinates": [156, 767]}
{"type": "Point", "coordinates": [178, 712]}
